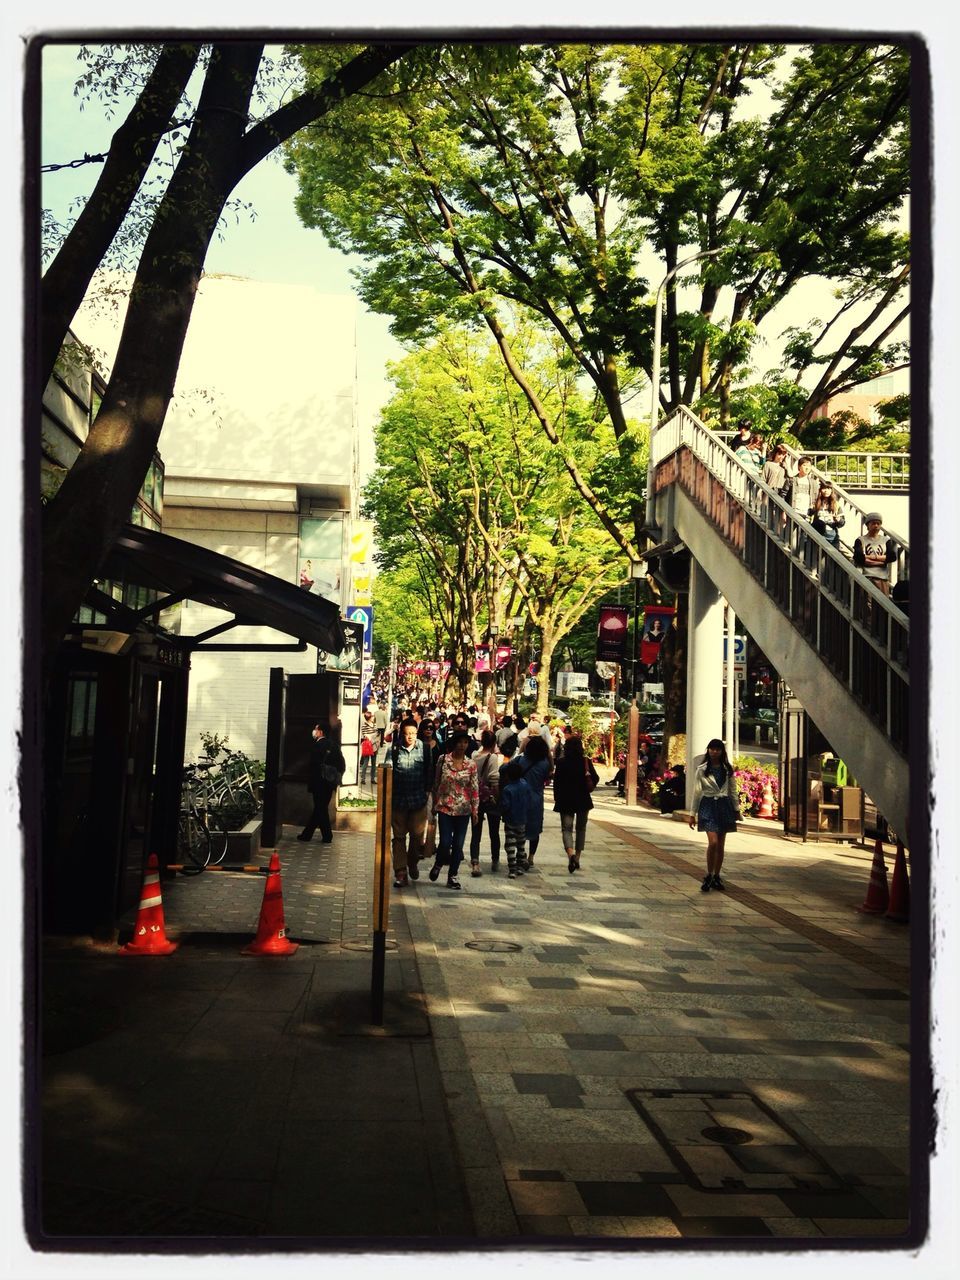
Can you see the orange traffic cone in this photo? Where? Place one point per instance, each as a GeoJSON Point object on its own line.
{"type": "Point", "coordinates": [899, 908]}
{"type": "Point", "coordinates": [878, 895]}
{"type": "Point", "coordinates": [766, 804]}
{"type": "Point", "coordinates": [271, 939]}
{"type": "Point", "coordinates": [149, 937]}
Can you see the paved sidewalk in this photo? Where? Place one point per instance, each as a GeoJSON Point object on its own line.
{"type": "Point", "coordinates": [600, 1058]}
{"type": "Point", "coordinates": [656, 1062]}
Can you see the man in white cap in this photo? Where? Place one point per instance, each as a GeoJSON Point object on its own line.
{"type": "Point", "coordinates": [874, 554]}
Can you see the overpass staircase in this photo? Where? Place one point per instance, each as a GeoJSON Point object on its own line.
{"type": "Point", "coordinates": [838, 642]}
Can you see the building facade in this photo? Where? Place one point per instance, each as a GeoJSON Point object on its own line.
{"type": "Point", "coordinates": [261, 464]}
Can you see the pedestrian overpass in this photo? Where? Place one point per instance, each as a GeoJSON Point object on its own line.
{"type": "Point", "coordinates": [838, 642]}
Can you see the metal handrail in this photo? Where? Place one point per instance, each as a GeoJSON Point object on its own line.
{"type": "Point", "coordinates": [853, 513]}
{"type": "Point", "coordinates": [888, 471]}
{"type": "Point", "coordinates": [858, 631]}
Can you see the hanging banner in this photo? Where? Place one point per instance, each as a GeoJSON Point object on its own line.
{"type": "Point", "coordinates": [481, 658]}
{"type": "Point", "coordinates": [444, 668]}
{"type": "Point", "coordinates": [433, 670]}
{"type": "Point", "coordinates": [656, 622]}
{"type": "Point", "coordinates": [612, 633]}
{"type": "Point", "coordinates": [501, 656]}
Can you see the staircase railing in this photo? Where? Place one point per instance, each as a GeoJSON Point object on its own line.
{"type": "Point", "coordinates": [843, 470]}
{"type": "Point", "coordinates": [858, 632]}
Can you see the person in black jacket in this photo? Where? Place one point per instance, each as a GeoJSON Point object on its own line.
{"type": "Point", "coordinates": [327, 767]}
{"type": "Point", "coordinates": [574, 779]}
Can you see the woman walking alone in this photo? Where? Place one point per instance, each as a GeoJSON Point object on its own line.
{"type": "Point", "coordinates": [715, 808]}
{"type": "Point", "coordinates": [573, 780]}
{"type": "Point", "coordinates": [456, 799]}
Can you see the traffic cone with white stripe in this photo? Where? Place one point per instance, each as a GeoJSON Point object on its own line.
{"type": "Point", "coordinates": [878, 895]}
{"type": "Point", "coordinates": [149, 937]}
{"type": "Point", "coordinates": [271, 939]}
{"type": "Point", "coordinates": [766, 804]}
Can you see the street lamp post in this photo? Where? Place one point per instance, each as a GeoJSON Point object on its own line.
{"type": "Point", "coordinates": [655, 371]}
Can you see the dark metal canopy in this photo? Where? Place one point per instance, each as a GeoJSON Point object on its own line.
{"type": "Point", "coordinates": [181, 570]}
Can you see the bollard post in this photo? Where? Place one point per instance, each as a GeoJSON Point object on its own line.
{"type": "Point", "coordinates": [381, 891]}
{"type": "Point", "coordinates": [633, 743]}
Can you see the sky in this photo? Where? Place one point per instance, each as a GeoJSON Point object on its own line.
{"type": "Point", "coordinates": [303, 254]}
{"type": "Point", "coordinates": [273, 246]}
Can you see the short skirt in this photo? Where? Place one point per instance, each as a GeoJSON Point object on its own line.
{"type": "Point", "coordinates": [716, 813]}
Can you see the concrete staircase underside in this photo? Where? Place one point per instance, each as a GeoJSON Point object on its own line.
{"type": "Point", "coordinates": [877, 765]}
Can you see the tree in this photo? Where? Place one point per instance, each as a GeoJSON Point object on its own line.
{"type": "Point", "coordinates": [132, 150]}
{"type": "Point", "coordinates": [540, 180]}
{"type": "Point", "coordinates": [93, 502]}
{"type": "Point", "coordinates": [467, 487]}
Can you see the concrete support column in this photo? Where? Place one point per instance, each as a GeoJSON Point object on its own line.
{"type": "Point", "coordinates": [704, 667]}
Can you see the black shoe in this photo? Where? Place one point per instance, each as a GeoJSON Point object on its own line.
{"type": "Point", "coordinates": [413, 871]}
{"type": "Point", "coordinates": [453, 883]}
{"type": "Point", "coordinates": [717, 883]}
{"type": "Point", "coordinates": [494, 864]}
{"type": "Point", "coordinates": [571, 863]}
{"type": "Point", "coordinates": [707, 884]}
{"type": "Point", "coordinates": [475, 870]}
{"type": "Point", "coordinates": [301, 836]}
{"type": "Point", "coordinates": [435, 871]}
{"type": "Point", "coordinates": [327, 840]}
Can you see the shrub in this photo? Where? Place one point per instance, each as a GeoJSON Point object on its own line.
{"type": "Point", "coordinates": [752, 778]}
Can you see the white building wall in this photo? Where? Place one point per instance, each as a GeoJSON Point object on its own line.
{"type": "Point", "coordinates": [262, 429]}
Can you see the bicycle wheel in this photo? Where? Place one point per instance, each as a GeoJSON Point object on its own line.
{"type": "Point", "coordinates": [217, 829]}
{"type": "Point", "coordinates": [193, 843]}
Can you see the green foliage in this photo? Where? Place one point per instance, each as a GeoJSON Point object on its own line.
{"type": "Point", "coordinates": [498, 179]}
{"type": "Point", "coordinates": [213, 745]}
{"type": "Point", "coordinates": [474, 514]}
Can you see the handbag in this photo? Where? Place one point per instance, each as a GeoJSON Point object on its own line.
{"type": "Point", "coordinates": [367, 748]}
{"type": "Point", "coordinates": [330, 773]}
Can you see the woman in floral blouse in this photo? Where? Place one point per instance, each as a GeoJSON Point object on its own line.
{"type": "Point", "coordinates": [456, 801]}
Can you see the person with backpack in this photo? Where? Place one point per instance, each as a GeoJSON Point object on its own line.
{"type": "Point", "coordinates": [515, 801]}
{"type": "Point", "coordinates": [487, 760]}
{"type": "Point", "coordinates": [327, 767]}
{"type": "Point", "coordinates": [412, 781]}
{"type": "Point", "coordinates": [573, 780]}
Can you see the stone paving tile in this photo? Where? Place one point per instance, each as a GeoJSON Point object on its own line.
{"type": "Point", "coordinates": [848, 1016]}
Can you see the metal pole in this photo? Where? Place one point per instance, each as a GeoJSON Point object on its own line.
{"type": "Point", "coordinates": [393, 678]}
{"type": "Point", "coordinates": [381, 892]}
{"type": "Point", "coordinates": [731, 679]}
{"type": "Point", "coordinates": [649, 521]}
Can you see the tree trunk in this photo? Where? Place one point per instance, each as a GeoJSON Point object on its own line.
{"type": "Point", "coordinates": [548, 642]}
{"type": "Point", "coordinates": [131, 152]}
{"type": "Point", "coordinates": [99, 491]}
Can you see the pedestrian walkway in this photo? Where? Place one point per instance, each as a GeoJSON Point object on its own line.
{"type": "Point", "coordinates": [606, 1057]}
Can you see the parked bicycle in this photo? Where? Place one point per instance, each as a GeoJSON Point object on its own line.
{"type": "Point", "coordinates": [193, 834]}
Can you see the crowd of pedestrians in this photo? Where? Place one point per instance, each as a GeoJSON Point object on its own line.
{"type": "Point", "coordinates": [460, 780]}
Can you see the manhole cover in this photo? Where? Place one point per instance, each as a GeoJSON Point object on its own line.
{"type": "Point", "coordinates": [493, 944]}
{"type": "Point", "coordinates": [760, 1145]}
{"type": "Point", "coordinates": [729, 1137]}
{"type": "Point", "coordinates": [360, 944]}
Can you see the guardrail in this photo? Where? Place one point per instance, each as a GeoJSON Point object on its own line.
{"type": "Point", "coordinates": [859, 633]}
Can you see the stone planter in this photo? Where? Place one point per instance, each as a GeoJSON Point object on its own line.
{"type": "Point", "coordinates": [356, 820]}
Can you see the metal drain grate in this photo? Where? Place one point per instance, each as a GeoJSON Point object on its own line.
{"type": "Point", "coordinates": [728, 1140]}
{"type": "Point", "coordinates": [492, 944]}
